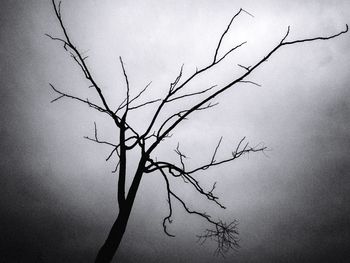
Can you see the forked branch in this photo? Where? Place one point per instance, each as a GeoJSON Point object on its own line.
{"type": "Point", "coordinates": [238, 80]}
{"type": "Point", "coordinates": [86, 101]}
{"type": "Point", "coordinates": [79, 59]}
{"type": "Point", "coordinates": [241, 149]}
{"type": "Point", "coordinates": [226, 235]}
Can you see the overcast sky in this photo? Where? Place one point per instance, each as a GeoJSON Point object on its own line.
{"type": "Point", "coordinates": [58, 193]}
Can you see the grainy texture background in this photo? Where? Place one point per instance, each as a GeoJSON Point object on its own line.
{"type": "Point", "coordinates": [57, 193]}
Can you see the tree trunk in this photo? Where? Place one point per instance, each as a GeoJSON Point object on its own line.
{"type": "Point", "coordinates": [110, 247]}
{"type": "Point", "coordinates": [115, 236]}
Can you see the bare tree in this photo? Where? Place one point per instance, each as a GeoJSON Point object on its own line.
{"type": "Point", "coordinates": [160, 127]}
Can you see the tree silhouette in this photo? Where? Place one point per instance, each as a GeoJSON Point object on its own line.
{"type": "Point", "coordinates": [159, 128]}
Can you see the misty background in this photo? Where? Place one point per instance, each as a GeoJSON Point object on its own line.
{"type": "Point", "coordinates": [58, 195]}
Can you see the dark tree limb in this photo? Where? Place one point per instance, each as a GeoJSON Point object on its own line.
{"type": "Point", "coordinates": [228, 52]}
{"type": "Point", "coordinates": [312, 39]}
{"type": "Point", "coordinates": [144, 104]}
{"type": "Point", "coordinates": [86, 101]}
{"type": "Point", "coordinates": [171, 92]}
{"type": "Point", "coordinates": [187, 175]}
{"type": "Point", "coordinates": [244, 67]}
{"type": "Point", "coordinates": [168, 217]}
{"type": "Point", "coordinates": [127, 103]}
{"type": "Point", "coordinates": [79, 59]}
{"type": "Point", "coordinates": [226, 235]}
{"type": "Point", "coordinates": [123, 104]}
{"type": "Point", "coordinates": [239, 79]}
{"type": "Point", "coordinates": [225, 32]}
{"type": "Point", "coordinates": [250, 82]}
{"type": "Point", "coordinates": [95, 139]}
{"type": "Point", "coordinates": [191, 94]}
{"type": "Point", "coordinates": [181, 113]}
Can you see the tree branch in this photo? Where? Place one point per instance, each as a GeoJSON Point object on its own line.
{"type": "Point", "coordinates": [144, 104]}
{"type": "Point", "coordinates": [90, 104]}
{"type": "Point", "coordinates": [250, 82]}
{"type": "Point", "coordinates": [239, 79]}
{"type": "Point", "coordinates": [79, 59]}
{"type": "Point", "coordinates": [127, 89]}
{"type": "Point", "coordinates": [226, 235]}
{"type": "Point", "coordinates": [168, 217]}
{"type": "Point", "coordinates": [123, 104]}
{"type": "Point", "coordinates": [182, 172]}
{"type": "Point", "coordinates": [238, 152]}
{"type": "Point", "coordinates": [180, 113]}
{"type": "Point", "coordinates": [192, 94]}
{"type": "Point", "coordinates": [95, 139]}
{"type": "Point", "coordinates": [223, 34]}
{"type": "Point", "coordinates": [170, 93]}
{"type": "Point", "coordinates": [313, 39]}
{"type": "Point", "coordinates": [231, 50]}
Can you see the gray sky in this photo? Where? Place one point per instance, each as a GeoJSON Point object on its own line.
{"type": "Point", "coordinates": [58, 193]}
